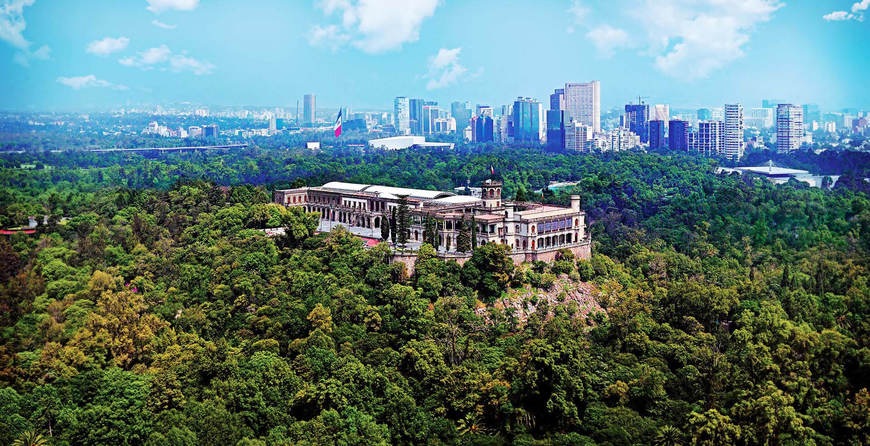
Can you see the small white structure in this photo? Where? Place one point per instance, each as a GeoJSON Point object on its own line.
{"type": "Point", "coordinates": [405, 142]}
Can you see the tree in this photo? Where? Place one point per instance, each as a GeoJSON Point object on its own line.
{"type": "Point", "coordinates": [403, 221]}
{"type": "Point", "coordinates": [430, 231]}
{"type": "Point", "coordinates": [489, 270]}
{"type": "Point", "coordinates": [473, 232]}
{"type": "Point", "coordinates": [393, 227]}
{"type": "Point", "coordinates": [298, 226]}
{"type": "Point", "coordinates": [385, 229]}
{"type": "Point", "coordinates": [711, 428]}
{"type": "Point", "coordinates": [463, 239]}
{"type": "Point", "coordinates": [30, 438]}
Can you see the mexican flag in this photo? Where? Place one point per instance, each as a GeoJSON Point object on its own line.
{"type": "Point", "coordinates": [336, 128]}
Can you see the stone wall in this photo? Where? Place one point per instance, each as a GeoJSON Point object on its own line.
{"type": "Point", "coordinates": [581, 251]}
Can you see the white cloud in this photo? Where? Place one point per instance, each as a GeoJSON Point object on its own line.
{"type": "Point", "coordinates": [158, 6]}
{"type": "Point", "coordinates": [837, 16]}
{"type": "Point", "coordinates": [179, 62]}
{"type": "Point", "coordinates": [578, 13]}
{"type": "Point", "coordinates": [107, 46]}
{"type": "Point", "coordinates": [163, 58]}
{"type": "Point", "coordinates": [12, 25]}
{"type": "Point", "coordinates": [607, 39]}
{"type": "Point", "coordinates": [444, 68]}
{"type": "Point", "coordinates": [160, 24]}
{"type": "Point", "coordinates": [330, 36]}
{"type": "Point", "coordinates": [89, 81]}
{"type": "Point", "coordinates": [374, 26]}
{"type": "Point", "coordinates": [857, 13]}
{"type": "Point", "coordinates": [690, 39]}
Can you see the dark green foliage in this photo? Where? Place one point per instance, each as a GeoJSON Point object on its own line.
{"type": "Point", "coordinates": [735, 310]}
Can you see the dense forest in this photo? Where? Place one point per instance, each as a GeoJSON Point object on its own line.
{"type": "Point", "coordinates": [150, 307]}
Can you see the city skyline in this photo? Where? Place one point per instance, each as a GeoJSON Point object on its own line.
{"type": "Point", "coordinates": [354, 54]}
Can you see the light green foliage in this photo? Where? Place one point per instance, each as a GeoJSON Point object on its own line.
{"type": "Point", "coordinates": [734, 310]}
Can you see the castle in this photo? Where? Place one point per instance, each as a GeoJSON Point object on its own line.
{"type": "Point", "coordinates": [533, 231]}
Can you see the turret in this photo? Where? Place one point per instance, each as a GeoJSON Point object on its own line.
{"type": "Point", "coordinates": [491, 193]}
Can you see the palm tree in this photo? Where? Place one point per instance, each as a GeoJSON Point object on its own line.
{"type": "Point", "coordinates": [668, 436]}
{"type": "Point", "coordinates": [30, 438]}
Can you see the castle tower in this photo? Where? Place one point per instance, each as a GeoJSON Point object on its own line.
{"type": "Point", "coordinates": [491, 193]}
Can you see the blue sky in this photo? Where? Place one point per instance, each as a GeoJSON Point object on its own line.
{"type": "Point", "coordinates": [61, 54]}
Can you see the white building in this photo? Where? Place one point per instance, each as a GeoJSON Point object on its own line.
{"type": "Point", "coordinates": [583, 103]}
{"type": "Point", "coordinates": [789, 127]}
{"type": "Point", "coordinates": [402, 116]}
{"type": "Point", "coordinates": [733, 137]}
{"type": "Point", "coordinates": [622, 138]}
{"type": "Point", "coordinates": [709, 139]}
{"type": "Point", "coordinates": [661, 112]}
{"type": "Point", "coordinates": [532, 231]}
{"type": "Point", "coordinates": [577, 136]}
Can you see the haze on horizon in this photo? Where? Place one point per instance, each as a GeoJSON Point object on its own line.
{"type": "Point", "coordinates": [104, 53]}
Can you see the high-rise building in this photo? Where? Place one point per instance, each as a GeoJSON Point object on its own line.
{"type": "Point", "coordinates": [415, 116]}
{"type": "Point", "coordinates": [583, 103]}
{"type": "Point", "coordinates": [528, 120]}
{"type": "Point", "coordinates": [710, 138]}
{"type": "Point", "coordinates": [759, 118]}
{"type": "Point", "coordinates": [431, 112]}
{"type": "Point", "coordinates": [210, 131]}
{"type": "Point", "coordinates": [678, 135]}
{"type": "Point", "coordinates": [661, 112]}
{"type": "Point", "coordinates": [461, 112]}
{"type": "Point", "coordinates": [656, 134]}
{"type": "Point", "coordinates": [556, 129]}
{"type": "Point", "coordinates": [770, 103]}
{"type": "Point", "coordinates": [734, 144]}
{"type": "Point", "coordinates": [622, 138]}
{"type": "Point", "coordinates": [401, 116]}
{"type": "Point", "coordinates": [557, 99]}
{"type": "Point", "coordinates": [811, 113]}
{"type": "Point", "coordinates": [577, 136]}
{"type": "Point", "coordinates": [789, 127]}
{"type": "Point", "coordinates": [637, 120]}
{"type": "Point", "coordinates": [482, 128]}
{"type": "Point", "coordinates": [273, 124]}
{"type": "Point", "coordinates": [486, 110]}
{"type": "Point", "coordinates": [309, 109]}
{"type": "Point", "coordinates": [704, 114]}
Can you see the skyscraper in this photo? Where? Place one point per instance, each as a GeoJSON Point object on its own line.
{"type": "Point", "coordinates": [637, 120]}
{"type": "Point", "coordinates": [557, 99]}
{"type": "Point", "coordinates": [415, 116]}
{"type": "Point", "coordinates": [678, 135]}
{"type": "Point", "coordinates": [583, 103]}
{"type": "Point", "coordinates": [704, 114]}
{"type": "Point", "coordinates": [556, 129]}
{"type": "Point", "coordinates": [461, 112]}
{"type": "Point", "coordinates": [401, 116]}
{"type": "Point", "coordinates": [528, 120]}
{"type": "Point", "coordinates": [309, 109]}
{"type": "Point", "coordinates": [789, 127]}
{"type": "Point", "coordinates": [733, 132]}
{"type": "Point", "coordinates": [656, 134]}
{"type": "Point", "coordinates": [431, 112]}
{"type": "Point", "coordinates": [482, 128]}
